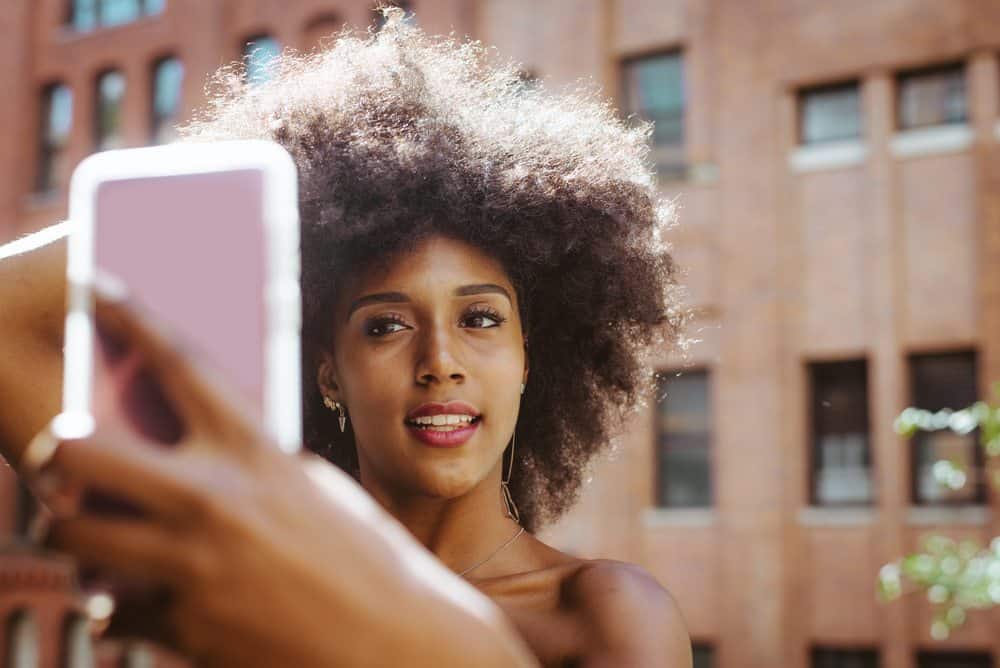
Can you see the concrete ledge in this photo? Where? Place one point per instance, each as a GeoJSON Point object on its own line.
{"type": "Point", "coordinates": [932, 141]}
{"type": "Point", "coordinates": [679, 517]}
{"type": "Point", "coordinates": [820, 516]}
{"type": "Point", "coordinates": [826, 156]}
{"type": "Point", "coordinates": [938, 515]}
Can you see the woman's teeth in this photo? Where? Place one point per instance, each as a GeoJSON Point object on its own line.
{"type": "Point", "coordinates": [443, 422]}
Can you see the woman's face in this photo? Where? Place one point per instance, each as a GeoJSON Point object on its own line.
{"type": "Point", "coordinates": [440, 324]}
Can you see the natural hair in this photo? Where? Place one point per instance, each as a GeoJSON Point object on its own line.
{"type": "Point", "coordinates": [399, 136]}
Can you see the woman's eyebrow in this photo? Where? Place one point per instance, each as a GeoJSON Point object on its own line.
{"type": "Point", "coordinates": [481, 288]}
{"type": "Point", "coordinates": [400, 298]}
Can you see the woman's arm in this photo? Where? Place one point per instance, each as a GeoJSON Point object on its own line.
{"type": "Point", "coordinates": [32, 311]}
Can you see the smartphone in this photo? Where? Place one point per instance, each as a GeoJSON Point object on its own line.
{"type": "Point", "coordinates": [204, 237]}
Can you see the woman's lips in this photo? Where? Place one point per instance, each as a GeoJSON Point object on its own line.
{"type": "Point", "coordinates": [444, 439]}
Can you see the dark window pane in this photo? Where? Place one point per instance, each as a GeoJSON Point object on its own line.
{"type": "Point", "coordinates": [932, 97]}
{"type": "Point", "coordinates": [841, 454]}
{"type": "Point", "coordinates": [321, 31]}
{"type": "Point", "coordinates": [653, 90]}
{"type": "Point", "coordinates": [117, 12]}
{"type": "Point", "coordinates": [168, 78]}
{"type": "Point", "coordinates": [703, 656]}
{"type": "Point", "coordinates": [110, 92]}
{"type": "Point", "coordinates": [56, 122]}
{"type": "Point", "coordinates": [954, 660]}
{"type": "Point", "coordinates": [83, 15]}
{"type": "Point", "coordinates": [844, 658]}
{"type": "Point", "coordinates": [830, 114]}
{"type": "Point", "coordinates": [683, 435]}
{"type": "Point", "coordinates": [938, 382]}
{"type": "Point", "coordinates": [258, 54]}
{"type": "Point", "coordinates": [410, 17]}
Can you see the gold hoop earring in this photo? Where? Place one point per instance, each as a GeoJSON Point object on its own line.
{"type": "Point", "coordinates": [508, 498]}
{"type": "Point", "coordinates": [339, 407]}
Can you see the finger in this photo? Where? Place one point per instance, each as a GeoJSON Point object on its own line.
{"type": "Point", "coordinates": [117, 462]}
{"type": "Point", "coordinates": [138, 550]}
{"type": "Point", "coordinates": [208, 402]}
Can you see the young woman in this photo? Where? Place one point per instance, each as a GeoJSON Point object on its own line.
{"type": "Point", "coordinates": [482, 272]}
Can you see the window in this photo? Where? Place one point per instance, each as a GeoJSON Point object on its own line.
{"type": "Point", "coordinates": [85, 15]}
{"type": "Point", "coordinates": [110, 93]}
{"type": "Point", "coordinates": [320, 30]}
{"type": "Point", "coordinates": [937, 382]}
{"type": "Point", "coordinates": [56, 122]}
{"type": "Point", "coordinates": [78, 649]}
{"type": "Point", "coordinates": [168, 78]}
{"type": "Point", "coordinates": [704, 656]}
{"type": "Point", "coordinates": [844, 658]}
{"type": "Point", "coordinates": [258, 54]}
{"type": "Point", "coordinates": [653, 90]}
{"type": "Point", "coordinates": [931, 97]}
{"type": "Point", "coordinates": [409, 17]}
{"type": "Point", "coordinates": [22, 641]}
{"type": "Point", "coordinates": [683, 428]}
{"type": "Point", "coordinates": [954, 660]}
{"type": "Point", "coordinates": [830, 113]}
{"type": "Point", "coordinates": [841, 460]}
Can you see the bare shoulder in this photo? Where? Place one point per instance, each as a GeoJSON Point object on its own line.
{"type": "Point", "coordinates": [633, 619]}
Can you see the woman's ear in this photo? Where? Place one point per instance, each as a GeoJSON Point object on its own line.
{"type": "Point", "coordinates": [326, 376]}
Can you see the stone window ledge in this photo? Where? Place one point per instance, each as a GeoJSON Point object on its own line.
{"type": "Point", "coordinates": [828, 156]}
{"type": "Point", "coordinates": [939, 515]}
{"type": "Point", "coordinates": [829, 516]}
{"type": "Point", "coordinates": [679, 517]}
{"type": "Point", "coordinates": [932, 141]}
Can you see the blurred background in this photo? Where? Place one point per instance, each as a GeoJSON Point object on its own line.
{"type": "Point", "coordinates": [836, 169]}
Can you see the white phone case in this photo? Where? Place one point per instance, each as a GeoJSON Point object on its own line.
{"type": "Point", "coordinates": [281, 392]}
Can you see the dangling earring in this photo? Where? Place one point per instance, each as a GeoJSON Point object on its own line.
{"type": "Point", "coordinates": [505, 494]}
{"type": "Point", "coordinates": [339, 407]}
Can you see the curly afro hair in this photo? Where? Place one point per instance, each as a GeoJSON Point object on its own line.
{"type": "Point", "coordinates": [399, 136]}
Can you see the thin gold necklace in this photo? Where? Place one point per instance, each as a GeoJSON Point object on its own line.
{"type": "Point", "coordinates": [495, 553]}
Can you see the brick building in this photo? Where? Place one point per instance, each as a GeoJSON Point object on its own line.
{"type": "Point", "coordinates": [837, 172]}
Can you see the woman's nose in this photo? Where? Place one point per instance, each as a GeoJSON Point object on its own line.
{"type": "Point", "coordinates": [437, 360]}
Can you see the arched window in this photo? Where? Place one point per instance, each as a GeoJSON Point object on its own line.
{"type": "Point", "coordinates": [168, 79]}
{"type": "Point", "coordinates": [22, 641]}
{"type": "Point", "coordinates": [258, 52]}
{"type": "Point", "coordinates": [110, 93]}
{"type": "Point", "coordinates": [320, 29]}
{"type": "Point", "coordinates": [78, 647]}
{"type": "Point", "coordinates": [56, 122]}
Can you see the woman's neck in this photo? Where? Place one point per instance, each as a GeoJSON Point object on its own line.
{"type": "Point", "coordinates": [460, 531]}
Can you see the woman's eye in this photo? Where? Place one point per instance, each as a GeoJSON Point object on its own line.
{"type": "Point", "coordinates": [383, 326]}
{"type": "Point", "coordinates": [484, 315]}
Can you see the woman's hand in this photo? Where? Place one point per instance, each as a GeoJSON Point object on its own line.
{"type": "Point", "coordinates": [268, 559]}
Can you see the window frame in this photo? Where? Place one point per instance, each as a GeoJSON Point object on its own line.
{"type": "Point", "coordinates": [100, 9]}
{"type": "Point", "coordinates": [914, 73]}
{"type": "Point", "coordinates": [981, 494]}
{"type": "Point", "coordinates": [870, 654]}
{"type": "Point", "coordinates": [813, 453]}
{"type": "Point", "coordinates": [674, 168]}
{"type": "Point", "coordinates": [930, 658]}
{"type": "Point", "coordinates": [154, 119]}
{"type": "Point", "coordinates": [45, 147]}
{"type": "Point", "coordinates": [99, 140]}
{"type": "Point", "coordinates": [802, 93]}
{"type": "Point", "coordinates": [658, 482]}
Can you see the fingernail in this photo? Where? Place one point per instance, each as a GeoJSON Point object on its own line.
{"type": "Point", "coordinates": [110, 287]}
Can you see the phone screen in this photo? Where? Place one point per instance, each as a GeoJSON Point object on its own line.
{"type": "Point", "coordinates": [190, 249]}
